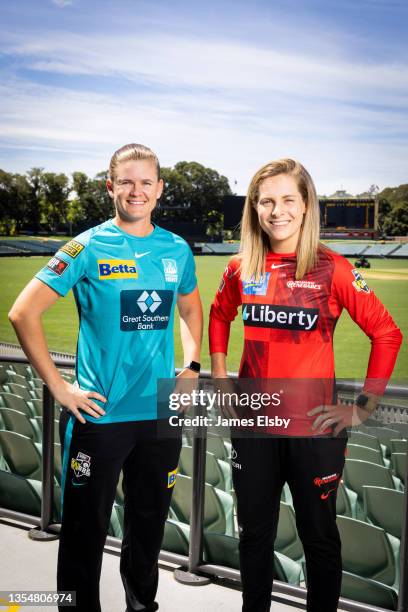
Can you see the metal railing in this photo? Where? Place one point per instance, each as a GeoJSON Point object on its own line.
{"type": "Point", "coordinates": [193, 564]}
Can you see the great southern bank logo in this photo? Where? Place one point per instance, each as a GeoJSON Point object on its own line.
{"type": "Point", "coordinates": [149, 301]}
{"type": "Point", "coordinates": [113, 269]}
{"type": "Point", "coordinates": [146, 309]}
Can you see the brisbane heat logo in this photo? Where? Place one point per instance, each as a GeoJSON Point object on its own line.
{"type": "Point", "coordinates": [116, 269]}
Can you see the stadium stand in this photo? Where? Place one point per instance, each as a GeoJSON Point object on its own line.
{"type": "Point", "coordinates": [381, 250]}
{"type": "Point", "coordinates": [347, 249]}
{"type": "Point", "coordinates": [402, 251]}
{"type": "Point", "coordinates": [29, 247]}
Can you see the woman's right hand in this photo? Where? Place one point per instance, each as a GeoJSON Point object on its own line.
{"type": "Point", "coordinates": [75, 400]}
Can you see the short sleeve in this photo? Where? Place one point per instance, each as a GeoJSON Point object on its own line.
{"type": "Point", "coordinates": [188, 280]}
{"type": "Point", "coordinates": [67, 266]}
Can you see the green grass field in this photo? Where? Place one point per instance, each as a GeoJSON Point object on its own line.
{"type": "Point", "coordinates": [388, 278]}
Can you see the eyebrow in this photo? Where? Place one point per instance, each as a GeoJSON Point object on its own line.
{"type": "Point", "coordinates": [287, 195]}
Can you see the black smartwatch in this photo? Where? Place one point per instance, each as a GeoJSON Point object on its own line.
{"type": "Point", "coordinates": [194, 365]}
{"type": "Point", "coordinates": [362, 400]}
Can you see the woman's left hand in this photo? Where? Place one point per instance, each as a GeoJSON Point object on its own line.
{"type": "Point", "coordinates": [338, 415]}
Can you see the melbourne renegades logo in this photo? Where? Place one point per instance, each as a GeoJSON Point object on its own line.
{"type": "Point", "coordinates": [327, 484]}
{"type": "Point", "coordinates": [57, 265]}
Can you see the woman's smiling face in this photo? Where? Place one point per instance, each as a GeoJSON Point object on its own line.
{"type": "Point", "coordinates": [280, 209]}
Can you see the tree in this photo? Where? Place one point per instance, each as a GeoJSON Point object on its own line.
{"type": "Point", "coordinates": [193, 191]}
{"type": "Point", "coordinates": [94, 203]}
{"type": "Point", "coordinates": [34, 202]}
{"type": "Point", "coordinates": [55, 190]}
{"type": "Point", "coordinates": [396, 222]}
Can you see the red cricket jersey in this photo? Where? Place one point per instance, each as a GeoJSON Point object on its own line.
{"type": "Point", "coordinates": [289, 324]}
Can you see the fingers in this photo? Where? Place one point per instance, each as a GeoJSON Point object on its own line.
{"type": "Point", "coordinates": [97, 396]}
{"type": "Point", "coordinates": [77, 415]}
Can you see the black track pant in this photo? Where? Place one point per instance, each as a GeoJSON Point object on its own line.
{"type": "Point", "coordinates": [93, 456]}
{"type": "Point", "coordinates": [312, 467]}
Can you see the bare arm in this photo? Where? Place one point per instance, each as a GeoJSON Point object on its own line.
{"type": "Point", "coordinates": [191, 328]}
{"type": "Point", "coordinates": [26, 318]}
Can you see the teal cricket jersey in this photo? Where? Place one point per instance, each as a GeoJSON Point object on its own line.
{"type": "Point", "coordinates": [125, 288]}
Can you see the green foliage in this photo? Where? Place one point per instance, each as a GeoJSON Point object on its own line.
{"type": "Point", "coordinates": [194, 190]}
{"type": "Point", "coordinates": [396, 222]}
{"type": "Point", "coordinates": [393, 211]}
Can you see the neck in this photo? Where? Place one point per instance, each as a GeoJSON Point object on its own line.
{"type": "Point", "coordinates": [140, 228]}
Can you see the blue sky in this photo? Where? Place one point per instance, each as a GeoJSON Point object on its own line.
{"type": "Point", "coordinates": [230, 84]}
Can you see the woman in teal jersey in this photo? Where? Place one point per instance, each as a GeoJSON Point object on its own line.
{"type": "Point", "coordinates": [127, 275]}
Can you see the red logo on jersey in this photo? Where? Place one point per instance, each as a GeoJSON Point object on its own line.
{"type": "Point", "coordinates": [324, 482]}
{"type": "Point", "coordinates": [57, 265]}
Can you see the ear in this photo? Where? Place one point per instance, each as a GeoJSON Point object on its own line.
{"type": "Point", "coordinates": [160, 188]}
{"type": "Point", "coordinates": [109, 187]}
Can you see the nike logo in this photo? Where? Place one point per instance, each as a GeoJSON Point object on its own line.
{"type": "Point", "coordinates": [78, 484]}
{"type": "Point", "coordinates": [139, 255]}
{"type": "Point", "coordinates": [326, 495]}
{"type": "Point", "coordinates": [274, 266]}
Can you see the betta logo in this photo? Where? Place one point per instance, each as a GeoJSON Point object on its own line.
{"type": "Point", "coordinates": [113, 269]}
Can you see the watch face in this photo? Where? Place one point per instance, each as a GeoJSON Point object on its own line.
{"type": "Point", "coordinates": [195, 366]}
{"type": "Point", "coordinates": [362, 400]}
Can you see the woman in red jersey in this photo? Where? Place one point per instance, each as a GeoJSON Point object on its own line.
{"type": "Point", "coordinates": [292, 290]}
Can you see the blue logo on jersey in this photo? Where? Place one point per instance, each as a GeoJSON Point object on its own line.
{"type": "Point", "coordinates": [145, 310]}
{"type": "Point", "coordinates": [252, 288]}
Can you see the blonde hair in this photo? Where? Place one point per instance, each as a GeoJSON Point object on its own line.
{"type": "Point", "coordinates": [255, 242]}
{"type": "Point", "coordinates": [132, 151]}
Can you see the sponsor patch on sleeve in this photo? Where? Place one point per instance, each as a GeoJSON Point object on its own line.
{"type": "Point", "coordinates": [359, 283]}
{"type": "Point", "coordinates": [171, 478]}
{"type": "Point", "coordinates": [72, 248]}
{"type": "Point", "coordinates": [57, 265]}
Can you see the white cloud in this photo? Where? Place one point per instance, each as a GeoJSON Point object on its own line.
{"type": "Point", "coordinates": [62, 3]}
{"type": "Point", "coordinates": [228, 105]}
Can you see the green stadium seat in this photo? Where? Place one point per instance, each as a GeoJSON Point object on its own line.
{"type": "Point", "coordinates": [384, 435]}
{"type": "Point", "coordinates": [217, 473]}
{"type": "Point", "coordinates": [402, 428]}
{"type": "Point", "coordinates": [20, 423]}
{"type": "Point", "coordinates": [13, 377]}
{"type": "Point", "coordinates": [399, 465]}
{"type": "Point", "coordinates": [3, 375]}
{"type": "Point", "coordinates": [20, 390]}
{"type": "Point", "coordinates": [37, 405]}
{"type": "Point", "coordinates": [218, 506]}
{"type": "Point", "coordinates": [21, 455]}
{"type": "Point", "coordinates": [366, 551]}
{"type": "Point", "coordinates": [355, 451]}
{"type": "Point", "coordinates": [345, 501]}
{"type": "Point", "coordinates": [19, 494]}
{"type": "Point", "coordinates": [20, 368]}
{"type": "Point", "coordinates": [116, 524]}
{"type": "Point", "coordinates": [368, 591]}
{"type": "Point", "coordinates": [36, 383]}
{"type": "Point", "coordinates": [384, 508]}
{"type": "Point", "coordinates": [358, 473]}
{"type": "Point", "coordinates": [223, 550]}
{"type": "Point", "coordinates": [399, 446]}
{"type": "Point", "coordinates": [39, 421]}
{"type": "Point", "coordinates": [10, 400]}
{"type": "Point", "coordinates": [364, 439]}
{"type": "Point", "coordinates": [287, 540]}
{"type": "Point", "coordinates": [216, 446]}
{"type": "Point", "coordinates": [175, 539]}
